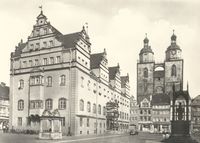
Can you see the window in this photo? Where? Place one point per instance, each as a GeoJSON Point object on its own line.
{"type": "Point", "coordinates": [21, 84]}
{"type": "Point", "coordinates": [20, 104]}
{"type": "Point", "coordinates": [31, 47]}
{"type": "Point", "coordinates": [19, 121]}
{"type": "Point", "coordinates": [37, 46]}
{"type": "Point", "coordinates": [49, 81]}
{"type": "Point", "coordinates": [45, 61]}
{"type": "Point", "coordinates": [104, 110]}
{"type": "Point", "coordinates": [88, 122]}
{"type": "Point", "coordinates": [36, 104]}
{"type": "Point", "coordinates": [81, 121]}
{"type": "Point", "coordinates": [82, 79]}
{"type": "Point", "coordinates": [81, 104]}
{"type": "Point", "coordinates": [94, 108]}
{"type": "Point", "coordinates": [58, 59]}
{"type": "Point", "coordinates": [88, 106]}
{"type": "Point", "coordinates": [36, 62]}
{"type": "Point", "coordinates": [173, 70]}
{"type": "Point", "coordinates": [30, 63]}
{"type": "Point", "coordinates": [63, 121]}
{"type": "Point", "coordinates": [99, 109]}
{"type": "Point", "coordinates": [24, 64]}
{"type": "Point", "coordinates": [51, 60]}
{"type": "Point", "coordinates": [62, 80]}
{"type": "Point", "coordinates": [88, 84]}
{"type": "Point", "coordinates": [51, 43]}
{"type": "Point", "coordinates": [62, 103]}
{"type": "Point", "coordinates": [49, 104]}
{"type": "Point", "coordinates": [45, 44]}
{"type": "Point", "coordinates": [145, 72]}
{"type": "Point", "coordinates": [45, 30]}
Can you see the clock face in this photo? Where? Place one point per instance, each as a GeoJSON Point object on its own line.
{"type": "Point", "coordinates": [173, 52]}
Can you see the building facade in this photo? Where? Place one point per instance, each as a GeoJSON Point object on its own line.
{"type": "Point", "coordinates": [4, 106]}
{"type": "Point", "coordinates": [56, 72]}
{"type": "Point", "coordinates": [161, 113]}
{"type": "Point", "coordinates": [134, 112]}
{"type": "Point", "coordinates": [157, 78]}
{"type": "Point", "coordinates": [195, 111]}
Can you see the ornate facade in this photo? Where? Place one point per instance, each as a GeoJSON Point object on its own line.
{"type": "Point", "coordinates": [56, 72]}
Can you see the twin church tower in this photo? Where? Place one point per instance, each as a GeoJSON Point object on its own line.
{"type": "Point", "coordinates": [158, 78]}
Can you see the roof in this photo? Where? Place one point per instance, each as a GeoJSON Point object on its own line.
{"type": "Point", "coordinates": [95, 60]}
{"type": "Point", "coordinates": [69, 40]}
{"type": "Point", "coordinates": [4, 91]}
{"type": "Point", "coordinates": [196, 100]}
{"type": "Point", "coordinates": [160, 99]}
{"type": "Point", "coordinates": [173, 46]}
{"type": "Point", "coordinates": [146, 49]}
{"type": "Point", "coordinates": [158, 74]}
{"type": "Point", "coordinates": [112, 72]}
{"type": "Point", "coordinates": [124, 80]}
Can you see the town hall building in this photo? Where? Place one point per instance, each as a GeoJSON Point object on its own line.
{"type": "Point", "coordinates": [52, 73]}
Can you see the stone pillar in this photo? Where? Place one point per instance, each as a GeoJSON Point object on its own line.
{"type": "Point", "coordinates": [161, 129]}
{"type": "Point", "coordinates": [52, 125]}
{"type": "Point", "coordinates": [41, 125]}
{"type": "Point", "coordinates": [60, 129]}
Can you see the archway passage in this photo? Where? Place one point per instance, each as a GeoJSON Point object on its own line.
{"type": "Point", "coordinates": [50, 125]}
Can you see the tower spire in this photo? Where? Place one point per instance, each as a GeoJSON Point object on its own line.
{"type": "Point", "coordinates": [146, 40]}
{"type": "Point", "coordinates": [173, 37]}
{"type": "Point", "coordinates": [40, 7]}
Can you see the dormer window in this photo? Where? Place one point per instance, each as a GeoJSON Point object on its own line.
{"type": "Point", "coordinates": [51, 43]}
{"type": "Point", "coordinates": [45, 44]}
{"type": "Point", "coordinates": [37, 46]}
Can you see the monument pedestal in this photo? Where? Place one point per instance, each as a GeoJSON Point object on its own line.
{"type": "Point", "coordinates": [180, 128]}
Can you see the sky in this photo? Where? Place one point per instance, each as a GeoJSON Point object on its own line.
{"type": "Point", "coordinates": [117, 25]}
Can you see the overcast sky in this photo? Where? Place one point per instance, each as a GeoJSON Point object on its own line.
{"type": "Point", "coordinates": [117, 25]}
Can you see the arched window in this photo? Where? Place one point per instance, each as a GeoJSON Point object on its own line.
{"type": "Point", "coordinates": [21, 104]}
{"type": "Point", "coordinates": [49, 81]}
{"type": "Point", "coordinates": [49, 104]}
{"type": "Point", "coordinates": [88, 106]}
{"type": "Point", "coordinates": [104, 110]}
{"type": "Point", "coordinates": [145, 72]}
{"type": "Point", "coordinates": [62, 79]}
{"type": "Point", "coordinates": [21, 84]}
{"type": "Point", "coordinates": [99, 109]}
{"type": "Point", "coordinates": [94, 108]}
{"type": "Point", "coordinates": [81, 104]}
{"type": "Point", "coordinates": [173, 70]}
{"type": "Point", "coordinates": [62, 103]}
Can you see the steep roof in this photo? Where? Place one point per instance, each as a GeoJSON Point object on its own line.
{"type": "Point", "coordinates": [160, 99]}
{"type": "Point", "coordinates": [112, 72]}
{"type": "Point", "coordinates": [4, 92]}
{"type": "Point", "coordinates": [95, 60]}
{"type": "Point", "coordinates": [69, 40]}
{"type": "Point", "coordinates": [196, 101]}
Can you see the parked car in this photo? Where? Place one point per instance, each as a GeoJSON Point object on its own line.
{"type": "Point", "coordinates": [133, 130]}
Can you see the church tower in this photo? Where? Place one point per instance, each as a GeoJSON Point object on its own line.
{"type": "Point", "coordinates": [145, 68]}
{"type": "Point", "coordinates": [173, 66]}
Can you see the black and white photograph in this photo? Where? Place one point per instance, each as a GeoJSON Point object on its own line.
{"type": "Point", "coordinates": [100, 71]}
